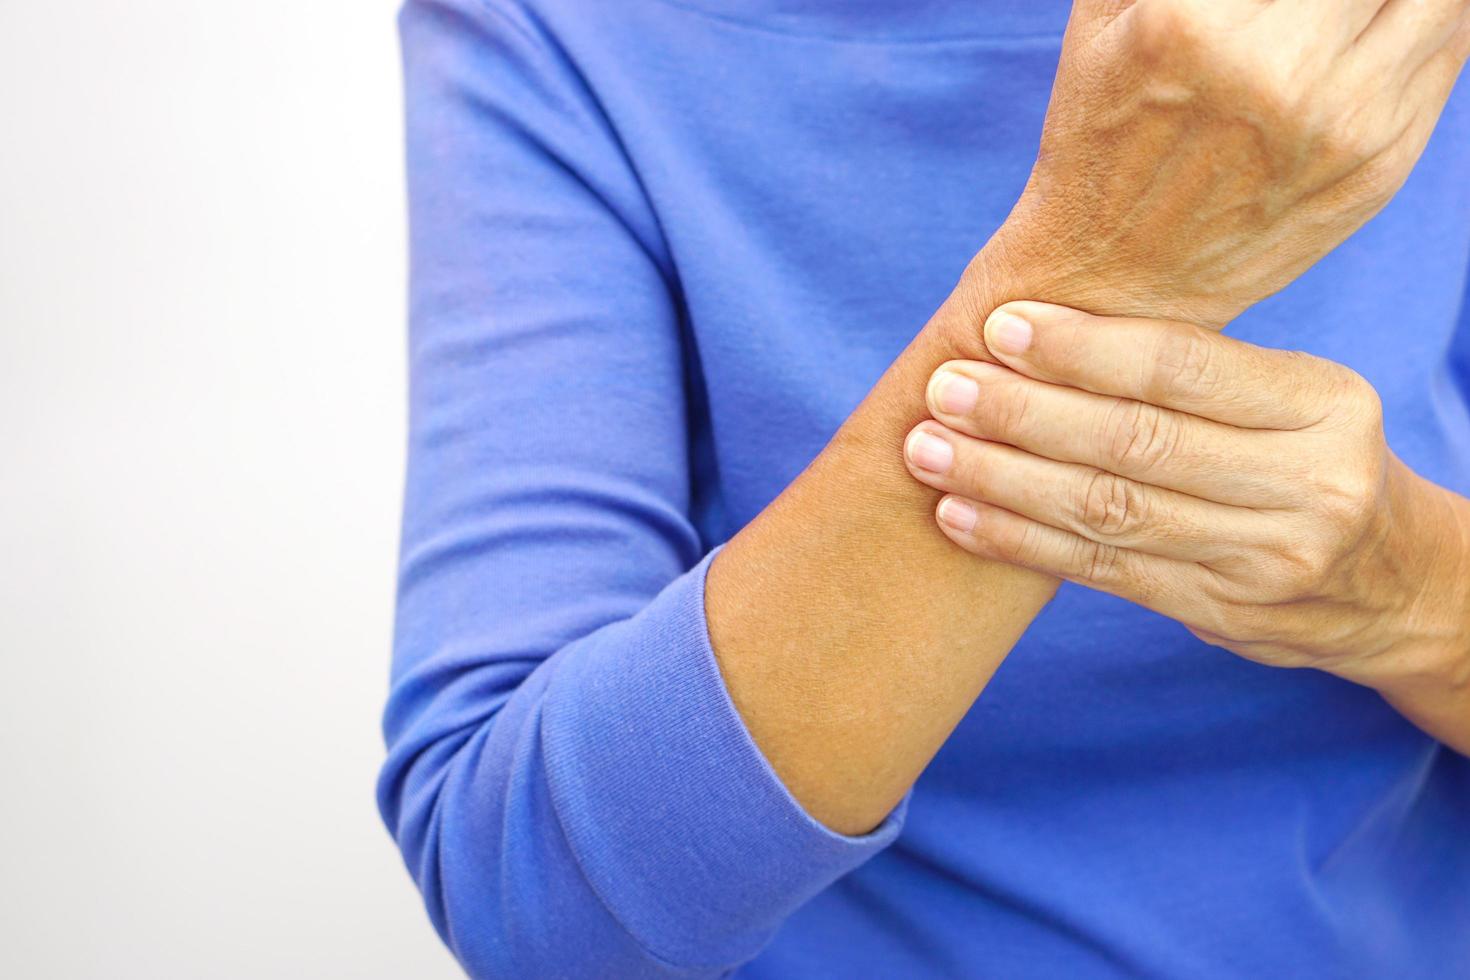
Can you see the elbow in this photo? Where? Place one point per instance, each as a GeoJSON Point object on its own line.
{"type": "Point", "coordinates": [464, 793]}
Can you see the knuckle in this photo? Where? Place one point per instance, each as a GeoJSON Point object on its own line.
{"type": "Point", "coordinates": [1022, 548]}
{"type": "Point", "coordinates": [1304, 576]}
{"type": "Point", "coordinates": [1185, 362]}
{"type": "Point", "coordinates": [1341, 397]}
{"type": "Point", "coordinates": [1008, 409]}
{"type": "Point", "coordinates": [972, 476]}
{"type": "Point", "coordinates": [1360, 397]}
{"type": "Point", "coordinates": [1110, 505]}
{"type": "Point", "coordinates": [1219, 619]}
{"type": "Point", "coordinates": [1379, 175]}
{"type": "Point", "coordinates": [1344, 503]}
{"type": "Point", "coordinates": [1300, 566]}
{"type": "Point", "coordinates": [1338, 379]}
{"type": "Point", "coordinates": [1280, 105]}
{"type": "Point", "coordinates": [1345, 495]}
{"type": "Point", "coordinates": [1357, 489]}
{"type": "Point", "coordinates": [1169, 32]}
{"type": "Point", "coordinates": [1097, 564]}
{"type": "Point", "coordinates": [1241, 622]}
{"type": "Point", "coordinates": [1138, 437]}
{"type": "Point", "coordinates": [1350, 142]}
{"type": "Point", "coordinates": [1194, 44]}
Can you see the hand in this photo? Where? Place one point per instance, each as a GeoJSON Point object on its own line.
{"type": "Point", "coordinates": [1199, 155]}
{"type": "Point", "coordinates": [1246, 492]}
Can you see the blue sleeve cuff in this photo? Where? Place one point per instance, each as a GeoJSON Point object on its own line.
{"type": "Point", "coordinates": [680, 825]}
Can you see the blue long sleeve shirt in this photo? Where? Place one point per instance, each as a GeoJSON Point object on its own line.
{"type": "Point", "coordinates": [660, 250]}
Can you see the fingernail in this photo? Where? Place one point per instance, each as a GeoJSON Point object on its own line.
{"type": "Point", "coordinates": [957, 514]}
{"type": "Point", "coordinates": [929, 452]}
{"type": "Point", "coordinates": [955, 394]}
{"type": "Point", "coordinates": [1007, 333]}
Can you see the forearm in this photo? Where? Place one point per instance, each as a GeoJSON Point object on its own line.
{"type": "Point", "coordinates": [851, 634]}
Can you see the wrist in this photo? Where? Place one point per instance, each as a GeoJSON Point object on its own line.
{"type": "Point", "coordinates": [1028, 258]}
{"type": "Point", "coordinates": [1428, 645]}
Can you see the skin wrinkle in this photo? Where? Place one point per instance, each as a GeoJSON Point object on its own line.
{"type": "Point", "coordinates": [1359, 576]}
{"type": "Point", "coordinates": [1177, 177]}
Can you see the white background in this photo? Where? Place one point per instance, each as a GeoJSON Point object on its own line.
{"type": "Point", "coordinates": [201, 429]}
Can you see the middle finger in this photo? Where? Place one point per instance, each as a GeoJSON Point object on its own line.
{"type": "Point", "coordinates": [1143, 442]}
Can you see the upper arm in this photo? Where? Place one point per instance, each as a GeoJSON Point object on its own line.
{"type": "Point", "coordinates": [548, 424]}
{"type": "Point", "coordinates": [548, 481]}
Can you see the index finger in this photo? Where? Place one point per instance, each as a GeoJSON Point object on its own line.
{"type": "Point", "coordinates": [1172, 365]}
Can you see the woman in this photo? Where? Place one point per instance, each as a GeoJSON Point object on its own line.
{"type": "Point", "coordinates": [689, 666]}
